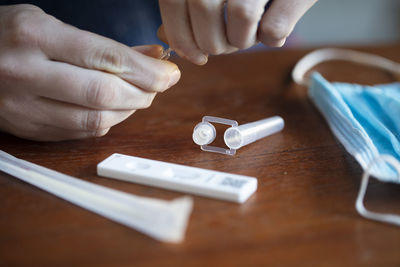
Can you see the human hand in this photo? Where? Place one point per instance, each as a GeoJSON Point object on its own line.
{"type": "Point", "coordinates": [59, 82]}
{"type": "Point", "coordinates": [196, 28]}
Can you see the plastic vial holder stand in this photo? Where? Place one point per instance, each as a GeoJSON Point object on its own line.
{"type": "Point", "coordinates": [204, 133]}
{"type": "Point", "coordinates": [235, 136]}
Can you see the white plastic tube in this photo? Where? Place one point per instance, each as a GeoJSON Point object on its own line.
{"type": "Point", "coordinates": [238, 136]}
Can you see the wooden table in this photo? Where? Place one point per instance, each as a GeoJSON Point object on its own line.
{"type": "Point", "coordinates": [302, 213]}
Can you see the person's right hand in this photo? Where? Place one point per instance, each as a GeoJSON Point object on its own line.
{"type": "Point", "coordinates": [195, 29]}
{"type": "Point", "coordinates": [58, 82]}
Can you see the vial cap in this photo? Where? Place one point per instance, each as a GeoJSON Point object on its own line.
{"type": "Point", "coordinates": [204, 133]}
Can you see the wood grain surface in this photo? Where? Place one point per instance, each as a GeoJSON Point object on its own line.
{"type": "Point", "coordinates": [301, 215]}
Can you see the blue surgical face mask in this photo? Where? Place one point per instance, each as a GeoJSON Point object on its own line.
{"type": "Point", "coordinates": [365, 119]}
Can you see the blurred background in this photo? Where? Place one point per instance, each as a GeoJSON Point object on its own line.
{"type": "Point", "coordinates": [349, 22]}
{"type": "Point", "coordinates": [328, 22]}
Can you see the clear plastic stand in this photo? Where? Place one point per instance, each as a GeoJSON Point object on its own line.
{"type": "Point", "coordinates": [235, 136]}
{"type": "Point", "coordinates": [204, 133]}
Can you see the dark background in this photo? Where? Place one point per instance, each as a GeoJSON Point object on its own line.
{"type": "Point", "coordinates": [132, 22]}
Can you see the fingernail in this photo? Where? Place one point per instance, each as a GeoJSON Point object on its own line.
{"type": "Point", "coordinates": [280, 43]}
{"type": "Point", "coordinates": [101, 133]}
{"type": "Point", "coordinates": [174, 78]}
{"type": "Point", "coordinates": [200, 59]}
{"type": "Point", "coordinates": [156, 51]}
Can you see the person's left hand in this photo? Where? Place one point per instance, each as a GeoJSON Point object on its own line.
{"type": "Point", "coordinates": [197, 28]}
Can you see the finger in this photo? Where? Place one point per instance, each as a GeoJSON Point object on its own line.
{"type": "Point", "coordinates": [161, 34]}
{"type": "Point", "coordinates": [279, 20]}
{"type": "Point", "coordinates": [54, 134]}
{"type": "Point", "coordinates": [72, 117]}
{"type": "Point", "coordinates": [154, 51]}
{"type": "Point", "coordinates": [21, 125]}
{"type": "Point", "coordinates": [35, 75]}
{"type": "Point", "coordinates": [243, 18]}
{"type": "Point", "coordinates": [88, 88]}
{"type": "Point", "coordinates": [177, 28]}
{"type": "Point", "coordinates": [43, 111]}
{"type": "Point", "coordinates": [81, 48]}
{"type": "Point", "coordinates": [208, 24]}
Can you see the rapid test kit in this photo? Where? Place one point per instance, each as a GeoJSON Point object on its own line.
{"type": "Point", "coordinates": [162, 220]}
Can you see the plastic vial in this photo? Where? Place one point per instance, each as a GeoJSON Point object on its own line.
{"type": "Point", "coordinates": [204, 133]}
{"type": "Point", "coordinates": [238, 136]}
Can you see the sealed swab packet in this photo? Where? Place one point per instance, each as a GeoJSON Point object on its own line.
{"type": "Point", "coordinates": [163, 220]}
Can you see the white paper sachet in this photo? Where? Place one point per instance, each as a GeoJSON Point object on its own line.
{"type": "Point", "coordinates": [163, 220]}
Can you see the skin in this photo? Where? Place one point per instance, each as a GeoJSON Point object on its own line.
{"type": "Point", "coordinates": [59, 82]}
{"type": "Point", "coordinates": [198, 28]}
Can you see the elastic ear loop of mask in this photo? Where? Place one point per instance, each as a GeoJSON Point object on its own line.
{"type": "Point", "coordinates": [382, 217]}
{"type": "Point", "coordinates": [327, 54]}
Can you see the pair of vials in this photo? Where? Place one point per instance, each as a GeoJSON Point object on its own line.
{"type": "Point", "coordinates": [235, 136]}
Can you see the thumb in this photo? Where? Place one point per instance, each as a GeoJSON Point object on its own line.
{"type": "Point", "coordinates": [154, 51]}
{"type": "Point", "coordinates": [161, 34]}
